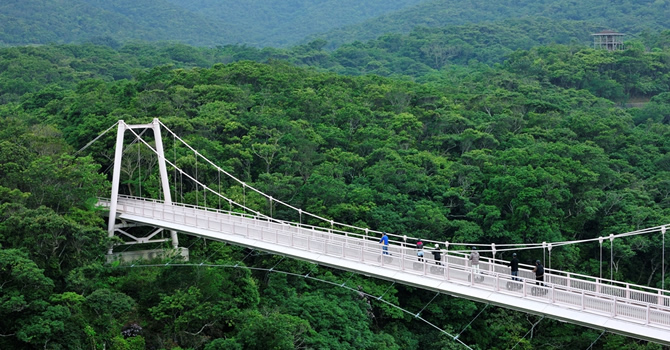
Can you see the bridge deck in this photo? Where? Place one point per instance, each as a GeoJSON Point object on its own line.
{"type": "Point", "coordinates": [639, 314]}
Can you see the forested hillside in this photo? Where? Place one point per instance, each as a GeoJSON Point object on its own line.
{"type": "Point", "coordinates": [282, 23]}
{"type": "Point", "coordinates": [423, 55]}
{"type": "Point", "coordinates": [65, 21]}
{"type": "Point", "coordinates": [204, 22]}
{"type": "Point", "coordinates": [533, 149]}
{"type": "Point", "coordinates": [631, 17]}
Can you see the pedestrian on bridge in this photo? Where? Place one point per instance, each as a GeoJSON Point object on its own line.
{"type": "Point", "coordinates": [419, 250]}
{"type": "Point", "coordinates": [514, 265]}
{"type": "Point", "coordinates": [474, 257]}
{"type": "Point", "coordinates": [385, 241]}
{"type": "Point", "coordinates": [437, 255]}
{"type": "Point", "coordinates": [539, 273]}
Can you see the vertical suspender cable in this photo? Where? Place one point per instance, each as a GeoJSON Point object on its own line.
{"type": "Point", "coordinates": [600, 241]}
{"type": "Point", "coordinates": [663, 260]}
{"type": "Point", "coordinates": [174, 154]}
{"type": "Point", "coordinates": [219, 174]}
{"type": "Point", "coordinates": [611, 258]}
{"type": "Point", "coordinates": [196, 178]}
{"type": "Point", "coordinates": [139, 169]}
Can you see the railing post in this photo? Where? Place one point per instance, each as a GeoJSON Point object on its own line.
{"type": "Point", "coordinates": [660, 298]}
{"type": "Point", "coordinates": [525, 292]}
{"type": "Point", "coordinates": [647, 318]}
{"type": "Point", "coordinates": [497, 282]}
{"type": "Point", "coordinates": [582, 300]}
{"type": "Point", "coordinates": [492, 266]}
{"type": "Point", "coordinates": [446, 264]}
{"type": "Point", "coordinates": [553, 293]}
{"type": "Point", "coordinates": [569, 280]}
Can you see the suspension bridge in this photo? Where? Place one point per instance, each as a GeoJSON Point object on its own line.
{"type": "Point", "coordinates": [611, 306]}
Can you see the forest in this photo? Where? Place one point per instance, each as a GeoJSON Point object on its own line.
{"type": "Point", "coordinates": [534, 149]}
{"type": "Point", "coordinates": [473, 132]}
{"type": "Point", "coordinates": [287, 23]}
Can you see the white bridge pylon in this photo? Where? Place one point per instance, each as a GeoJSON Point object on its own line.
{"type": "Point", "coordinates": [112, 227]}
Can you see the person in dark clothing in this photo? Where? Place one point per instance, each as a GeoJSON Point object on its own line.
{"type": "Point", "coordinates": [437, 255]}
{"type": "Point", "coordinates": [539, 273]}
{"type": "Point", "coordinates": [514, 264]}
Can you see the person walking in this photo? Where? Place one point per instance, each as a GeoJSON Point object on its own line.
{"type": "Point", "coordinates": [419, 250]}
{"type": "Point", "coordinates": [539, 273]}
{"type": "Point", "coordinates": [385, 241]}
{"type": "Point", "coordinates": [474, 258]}
{"type": "Point", "coordinates": [437, 255]}
{"type": "Point", "coordinates": [514, 265]}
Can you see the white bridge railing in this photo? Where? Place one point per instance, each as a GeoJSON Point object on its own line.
{"type": "Point", "coordinates": [639, 304]}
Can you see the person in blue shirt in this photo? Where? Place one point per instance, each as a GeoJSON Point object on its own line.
{"type": "Point", "coordinates": [385, 241]}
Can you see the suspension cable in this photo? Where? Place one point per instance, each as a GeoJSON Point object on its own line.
{"type": "Point", "coordinates": [425, 306]}
{"type": "Point", "coordinates": [96, 139]}
{"type": "Point", "coordinates": [467, 325]}
{"type": "Point", "coordinates": [590, 346]}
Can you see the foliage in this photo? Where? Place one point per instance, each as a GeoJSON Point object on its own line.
{"type": "Point", "coordinates": [521, 152]}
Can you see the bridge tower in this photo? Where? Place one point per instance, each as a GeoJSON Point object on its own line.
{"type": "Point", "coordinates": [113, 227]}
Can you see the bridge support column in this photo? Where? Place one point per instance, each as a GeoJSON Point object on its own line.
{"type": "Point", "coordinates": [163, 173]}
{"type": "Point", "coordinates": [116, 180]}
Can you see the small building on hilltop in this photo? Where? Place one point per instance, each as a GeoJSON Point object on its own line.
{"type": "Point", "coordinates": [609, 40]}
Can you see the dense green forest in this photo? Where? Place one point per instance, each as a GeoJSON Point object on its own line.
{"type": "Point", "coordinates": [425, 55]}
{"type": "Point", "coordinates": [285, 23]}
{"type": "Point", "coordinates": [282, 23]}
{"type": "Point", "coordinates": [276, 23]}
{"type": "Point", "coordinates": [631, 17]}
{"type": "Point", "coordinates": [532, 147]}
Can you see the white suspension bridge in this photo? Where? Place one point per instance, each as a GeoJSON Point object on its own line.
{"type": "Point", "coordinates": [611, 306]}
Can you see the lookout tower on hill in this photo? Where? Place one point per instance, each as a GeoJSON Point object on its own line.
{"type": "Point", "coordinates": [609, 40]}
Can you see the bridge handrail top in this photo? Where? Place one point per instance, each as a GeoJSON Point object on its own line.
{"type": "Point", "coordinates": [258, 216]}
{"type": "Point", "coordinates": [586, 278]}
